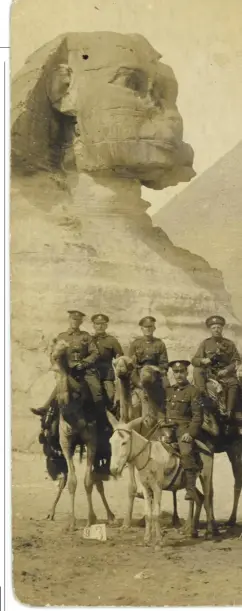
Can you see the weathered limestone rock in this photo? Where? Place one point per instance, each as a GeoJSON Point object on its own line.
{"type": "Point", "coordinates": [94, 117]}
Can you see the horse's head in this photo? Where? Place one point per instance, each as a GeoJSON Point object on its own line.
{"type": "Point", "coordinates": [123, 366]}
{"type": "Point", "coordinates": [149, 375]}
{"type": "Point", "coordinates": [120, 449]}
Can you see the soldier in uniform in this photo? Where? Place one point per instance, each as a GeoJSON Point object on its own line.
{"type": "Point", "coordinates": [217, 357]}
{"type": "Point", "coordinates": [108, 348]}
{"type": "Point", "coordinates": [184, 410]}
{"type": "Point", "coordinates": [149, 350]}
{"type": "Point", "coordinates": [81, 357]}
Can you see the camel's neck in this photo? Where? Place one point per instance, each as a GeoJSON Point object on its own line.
{"type": "Point", "coordinates": [154, 399]}
{"type": "Point", "coordinates": [125, 398]}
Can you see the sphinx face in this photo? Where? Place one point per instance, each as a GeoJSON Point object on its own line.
{"type": "Point", "coordinates": [123, 100]}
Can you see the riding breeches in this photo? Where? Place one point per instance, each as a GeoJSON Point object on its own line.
{"type": "Point", "coordinates": [230, 385]}
{"type": "Point", "coordinates": [95, 387]}
{"type": "Point", "coordinates": [189, 455]}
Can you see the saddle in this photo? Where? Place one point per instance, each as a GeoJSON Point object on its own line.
{"type": "Point", "coordinates": [174, 474]}
{"type": "Point", "coordinates": [216, 420]}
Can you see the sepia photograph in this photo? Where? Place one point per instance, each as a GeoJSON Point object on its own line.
{"type": "Point", "coordinates": [126, 302]}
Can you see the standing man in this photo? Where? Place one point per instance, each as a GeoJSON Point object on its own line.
{"type": "Point", "coordinates": [184, 411]}
{"type": "Point", "coordinates": [108, 348]}
{"type": "Point", "coordinates": [81, 358]}
{"type": "Point", "coordinates": [217, 357]}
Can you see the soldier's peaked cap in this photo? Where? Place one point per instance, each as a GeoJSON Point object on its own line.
{"type": "Point", "coordinates": [178, 362]}
{"type": "Point", "coordinates": [146, 321]}
{"type": "Point", "coordinates": [100, 318]}
{"type": "Point", "coordinates": [215, 320]}
{"type": "Point", "coordinates": [76, 314]}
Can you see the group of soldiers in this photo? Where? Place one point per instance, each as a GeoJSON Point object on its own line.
{"type": "Point", "coordinates": [90, 357]}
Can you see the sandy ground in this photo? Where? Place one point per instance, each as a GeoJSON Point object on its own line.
{"type": "Point", "coordinates": [53, 566]}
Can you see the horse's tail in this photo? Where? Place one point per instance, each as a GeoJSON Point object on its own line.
{"type": "Point", "coordinates": [55, 461]}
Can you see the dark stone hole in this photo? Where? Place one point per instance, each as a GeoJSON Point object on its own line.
{"type": "Point", "coordinates": [85, 56]}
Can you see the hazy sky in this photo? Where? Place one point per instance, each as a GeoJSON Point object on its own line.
{"type": "Point", "coordinates": [201, 40]}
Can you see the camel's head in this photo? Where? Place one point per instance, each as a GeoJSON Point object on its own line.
{"type": "Point", "coordinates": [108, 104]}
{"type": "Point", "coordinates": [58, 350]}
{"type": "Point", "coordinates": [239, 372]}
{"type": "Point", "coordinates": [149, 375]}
{"type": "Point", "coordinates": [123, 366]}
{"type": "Point", "coordinates": [120, 449]}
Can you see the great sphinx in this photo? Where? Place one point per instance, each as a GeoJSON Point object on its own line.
{"type": "Point", "coordinates": [94, 118]}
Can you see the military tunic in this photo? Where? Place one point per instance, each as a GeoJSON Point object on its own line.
{"type": "Point", "coordinates": [108, 348]}
{"type": "Point", "coordinates": [221, 351]}
{"type": "Point", "coordinates": [149, 352]}
{"type": "Point", "coordinates": [184, 410]}
{"type": "Point", "coordinates": [82, 350]}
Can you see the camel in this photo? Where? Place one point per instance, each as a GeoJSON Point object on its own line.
{"type": "Point", "coordinates": [78, 425]}
{"type": "Point", "coordinates": [123, 368]}
{"type": "Point", "coordinates": [151, 459]}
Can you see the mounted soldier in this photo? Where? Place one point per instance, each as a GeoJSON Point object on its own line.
{"type": "Point", "coordinates": [148, 350]}
{"type": "Point", "coordinates": [108, 348]}
{"type": "Point", "coordinates": [80, 361]}
{"type": "Point", "coordinates": [184, 411]}
{"type": "Point", "coordinates": [216, 359]}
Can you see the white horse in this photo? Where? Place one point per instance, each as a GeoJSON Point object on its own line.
{"type": "Point", "coordinates": [151, 460]}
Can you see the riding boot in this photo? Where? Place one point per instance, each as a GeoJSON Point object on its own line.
{"type": "Point", "coordinates": [191, 477]}
{"type": "Point", "coordinates": [42, 411]}
{"type": "Point", "coordinates": [231, 399]}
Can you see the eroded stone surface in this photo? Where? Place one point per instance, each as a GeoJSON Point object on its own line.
{"type": "Point", "coordinates": [87, 133]}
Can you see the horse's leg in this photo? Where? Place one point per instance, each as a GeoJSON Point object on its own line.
{"type": "Point", "coordinates": [61, 485]}
{"type": "Point", "coordinates": [157, 493]}
{"type": "Point", "coordinates": [100, 489]}
{"type": "Point", "coordinates": [132, 489]}
{"type": "Point", "coordinates": [175, 518]}
{"type": "Point", "coordinates": [88, 483]}
{"type": "Point", "coordinates": [235, 457]}
{"type": "Point", "coordinates": [148, 496]}
{"type": "Point", "coordinates": [206, 478]}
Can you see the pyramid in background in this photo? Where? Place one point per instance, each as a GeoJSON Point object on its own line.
{"type": "Point", "coordinates": [206, 218]}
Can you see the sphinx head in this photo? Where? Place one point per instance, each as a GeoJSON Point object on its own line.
{"type": "Point", "coordinates": [111, 106]}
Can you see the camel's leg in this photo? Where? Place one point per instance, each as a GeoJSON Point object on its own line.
{"type": "Point", "coordinates": [206, 478]}
{"type": "Point", "coordinates": [233, 517]}
{"type": "Point", "coordinates": [235, 457]}
{"type": "Point", "coordinates": [148, 496]}
{"type": "Point", "coordinates": [100, 488]}
{"type": "Point", "coordinates": [175, 518]}
{"type": "Point", "coordinates": [61, 485]}
{"type": "Point", "coordinates": [132, 489]}
{"type": "Point", "coordinates": [65, 443]}
{"type": "Point", "coordinates": [198, 508]}
{"type": "Point", "coordinates": [88, 483]}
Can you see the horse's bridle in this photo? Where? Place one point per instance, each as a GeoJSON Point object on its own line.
{"type": "Point", "coordinates": [148, 443]}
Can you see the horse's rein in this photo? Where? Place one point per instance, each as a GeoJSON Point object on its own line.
{"type": "Point", "coordinates": [148, 443]}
